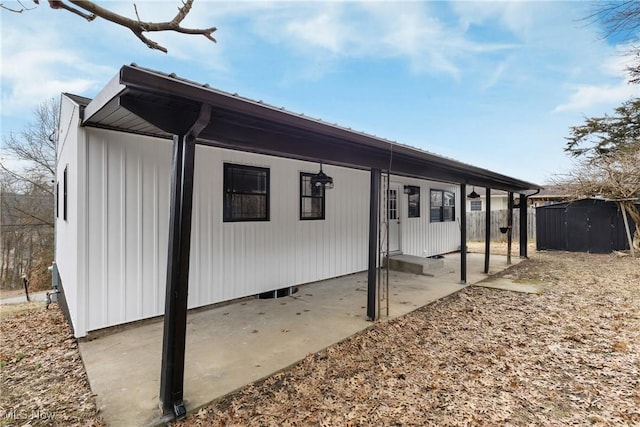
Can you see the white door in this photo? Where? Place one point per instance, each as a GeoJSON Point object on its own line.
{"type": "Point", "coordinates": [393, 215]}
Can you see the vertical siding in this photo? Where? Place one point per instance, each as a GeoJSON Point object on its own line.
{"type": "Point", "coordinates": [244, 258]}
{"type": "Point", "coordinates": [127, 226]}
{"type": "Point", "coordinates": [128, 180]}
{"type": "Point", "coordinates": [127, 229]}
{"type": "Point", "coordinates": [420, 236]}
{"type": "Point", "coordinates": [68, 234]}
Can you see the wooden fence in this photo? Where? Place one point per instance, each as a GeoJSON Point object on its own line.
{"type": "Point", "coordinates": [476, 225]}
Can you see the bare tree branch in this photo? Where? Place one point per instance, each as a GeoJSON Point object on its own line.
{"type": "Point", "coordinates": [22, 7]}
{"type": "Point", "coordinates": [138, 27]}
{"type": "Point", "coordinates": [614, 176]}
{"type": "Point", "coordinates": [59, 4]}
{"type": "Point", "coordinates": [89, 10]}
{"type": "Point", "coordinates": [621, 19]}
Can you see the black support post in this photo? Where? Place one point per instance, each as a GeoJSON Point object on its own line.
{"type": "Point", "coordinates": [173, 347]}
{"type": "Point", "coordinates": [509, 225]}
{"type": "Point", "coordinates": [463, 234]}
{"type": "Point", "coordinates": [487, 230]}
{"type": "Point", "coordinates": [374, 211]}
{"type": "Point", "coordinates": [177, 288]}
{"type": "Point", "coordinates": [523, 226]}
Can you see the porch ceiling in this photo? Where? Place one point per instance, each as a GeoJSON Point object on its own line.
{"type": "Point", "coordinates": [148, 102]}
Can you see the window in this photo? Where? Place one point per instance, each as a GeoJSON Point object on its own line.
{"type": "Point", "coordinates": [414, 201]}
{"type": "Point", "coordinates": [57, 199]}
{"type": "Point", "coordinates": [246, 193]}
{"type": "Point", "coordinates": [476, 205]}
{"type": "Point", "coordinates": [311, 198]}
{"type": "Point", "coordinates": [64, 192]}
{"type": "Point", "coordinates": [443, 206]}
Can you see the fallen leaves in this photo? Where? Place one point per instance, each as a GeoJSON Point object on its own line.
{"type": "Point", "coordinates": [480, 357]}
{"type": "Point", "coordinates": [43, 378]}
{"type": "Point", "coordinates": [570, 355]}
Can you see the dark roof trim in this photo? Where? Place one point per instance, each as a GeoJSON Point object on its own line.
{"type": "Point", "coordinates": [167, 103]}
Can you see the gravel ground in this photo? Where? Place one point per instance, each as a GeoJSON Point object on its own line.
{"type": "Point", "coordinates": [568, 356]}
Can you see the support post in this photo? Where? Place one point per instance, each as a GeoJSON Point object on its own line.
{"type": "Point", "coordinates": [177, 288]}
{"type": "Point", "coordinates": [374, 211]}
{"type": "Point", "coordinates": [463, 234]}
{"type": "Point", "coordinates": [173, 347]}
{"type": "Point", "coordinates": [487, 230]}
{"type": "Point", "coordinates": [509, 225]}
{"type": "Point", "coordinates": [523, 226]}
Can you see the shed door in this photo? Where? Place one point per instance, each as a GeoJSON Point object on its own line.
{"type": "Point", "coordinates": [578, 228]}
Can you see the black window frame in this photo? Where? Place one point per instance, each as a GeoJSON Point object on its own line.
{"type": "Point", "coordinates": [228, 193]}
{"type": "Point", "coordinates": [65, 179]}
{"type": "Point", "coordinates": [441, 212]}
{"type": "Point", "coordinates": [57, 199]}
{"type": "Point", "coordinates": [321, 196]}
{"type": "Point", "coordinates": [413, 201]}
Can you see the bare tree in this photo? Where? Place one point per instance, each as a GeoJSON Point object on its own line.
{"type": "Point", "coordinates": [621, 19]}
{"type": "Point", "coordinates": [27, 173]}
{"type": "Point", "coordinates": [90, 10]}
{"type": "Point", "coordinates": [607, 151]}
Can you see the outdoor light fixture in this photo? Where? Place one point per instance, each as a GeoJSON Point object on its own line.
{"type": "Point", "coordinates": [473, 194]}
{"type": "Point", "coordinates": [321, 179]}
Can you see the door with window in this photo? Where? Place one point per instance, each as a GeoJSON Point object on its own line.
{"type": "Point", "coordinates": [393, 215]}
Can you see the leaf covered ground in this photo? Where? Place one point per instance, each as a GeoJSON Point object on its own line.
{"type": "Point", "coordinates": [568, 356]}
{"type": "Point", "coordinates": [43, 378]}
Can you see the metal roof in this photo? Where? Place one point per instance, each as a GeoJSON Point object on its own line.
{"type": "Point", "coordinates": [144, 101]}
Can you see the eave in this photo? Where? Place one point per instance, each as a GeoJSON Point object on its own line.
{"type": "Point", "coordinates": [148, 102]}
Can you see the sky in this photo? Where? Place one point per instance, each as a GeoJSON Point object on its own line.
{"type": "Point", "coordinates": [493, 84]}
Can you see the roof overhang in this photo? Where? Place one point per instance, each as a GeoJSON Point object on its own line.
{"type": "Point", "coordinates": [148, 102]}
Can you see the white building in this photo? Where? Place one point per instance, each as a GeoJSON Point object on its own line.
{"type": "Point", "coordinates": [129, 232]}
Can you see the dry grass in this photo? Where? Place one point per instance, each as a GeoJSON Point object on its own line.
{"type": "Point", "coordinates": [480, 357]}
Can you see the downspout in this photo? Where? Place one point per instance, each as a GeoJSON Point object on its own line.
{"type": "Point", "coordinates": [177, 287]}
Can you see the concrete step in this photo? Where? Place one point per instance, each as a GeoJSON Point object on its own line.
{"type": "Point", "coordinates": [416, 265]}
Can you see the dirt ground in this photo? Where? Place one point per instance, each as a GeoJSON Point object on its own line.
{"type": "Point", "coordinates": [570, 355]}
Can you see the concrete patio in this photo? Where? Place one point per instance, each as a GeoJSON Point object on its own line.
{"type": "Point", "coordinates": [232, 345]}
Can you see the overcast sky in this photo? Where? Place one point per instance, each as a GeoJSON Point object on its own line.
{"type": "Point", "coordinates": [494, 84]}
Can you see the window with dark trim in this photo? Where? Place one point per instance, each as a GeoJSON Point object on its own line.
{"type": "Point", "coordinates": [312, 200]}
{"type": "Point", "coordinates": [65, 181]}
{"type": "Point", "coordinates": [246, 193]}
{"type": "Point", "coordinates": [443, 206]}
{"type": "Point", "coordinates": [476, 205]}
{"type": "Point", "coordinates": [57, 199]}
{"type": "Point", "coordinates": [413, 193]}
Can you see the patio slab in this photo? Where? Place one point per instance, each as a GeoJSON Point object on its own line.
{"type": "Point", "coordinates": [232, 345]}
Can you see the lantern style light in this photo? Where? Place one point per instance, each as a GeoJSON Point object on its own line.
{"type": "Point", "coordinates": [473, 194]}
{"type": "Point", "coordinates": [321, 179]}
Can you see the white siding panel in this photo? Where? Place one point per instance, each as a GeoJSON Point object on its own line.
{"type": "Point", "coordinates": [69, 234]}
{"type": "Point", "coordinates": [128, 182]}
{"type": "Point", "coordinates": [127, 227]}
{"type": "Point", "coordinates": [420, 236]}
{"type": "Point", "coordinates": [237, 259]}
